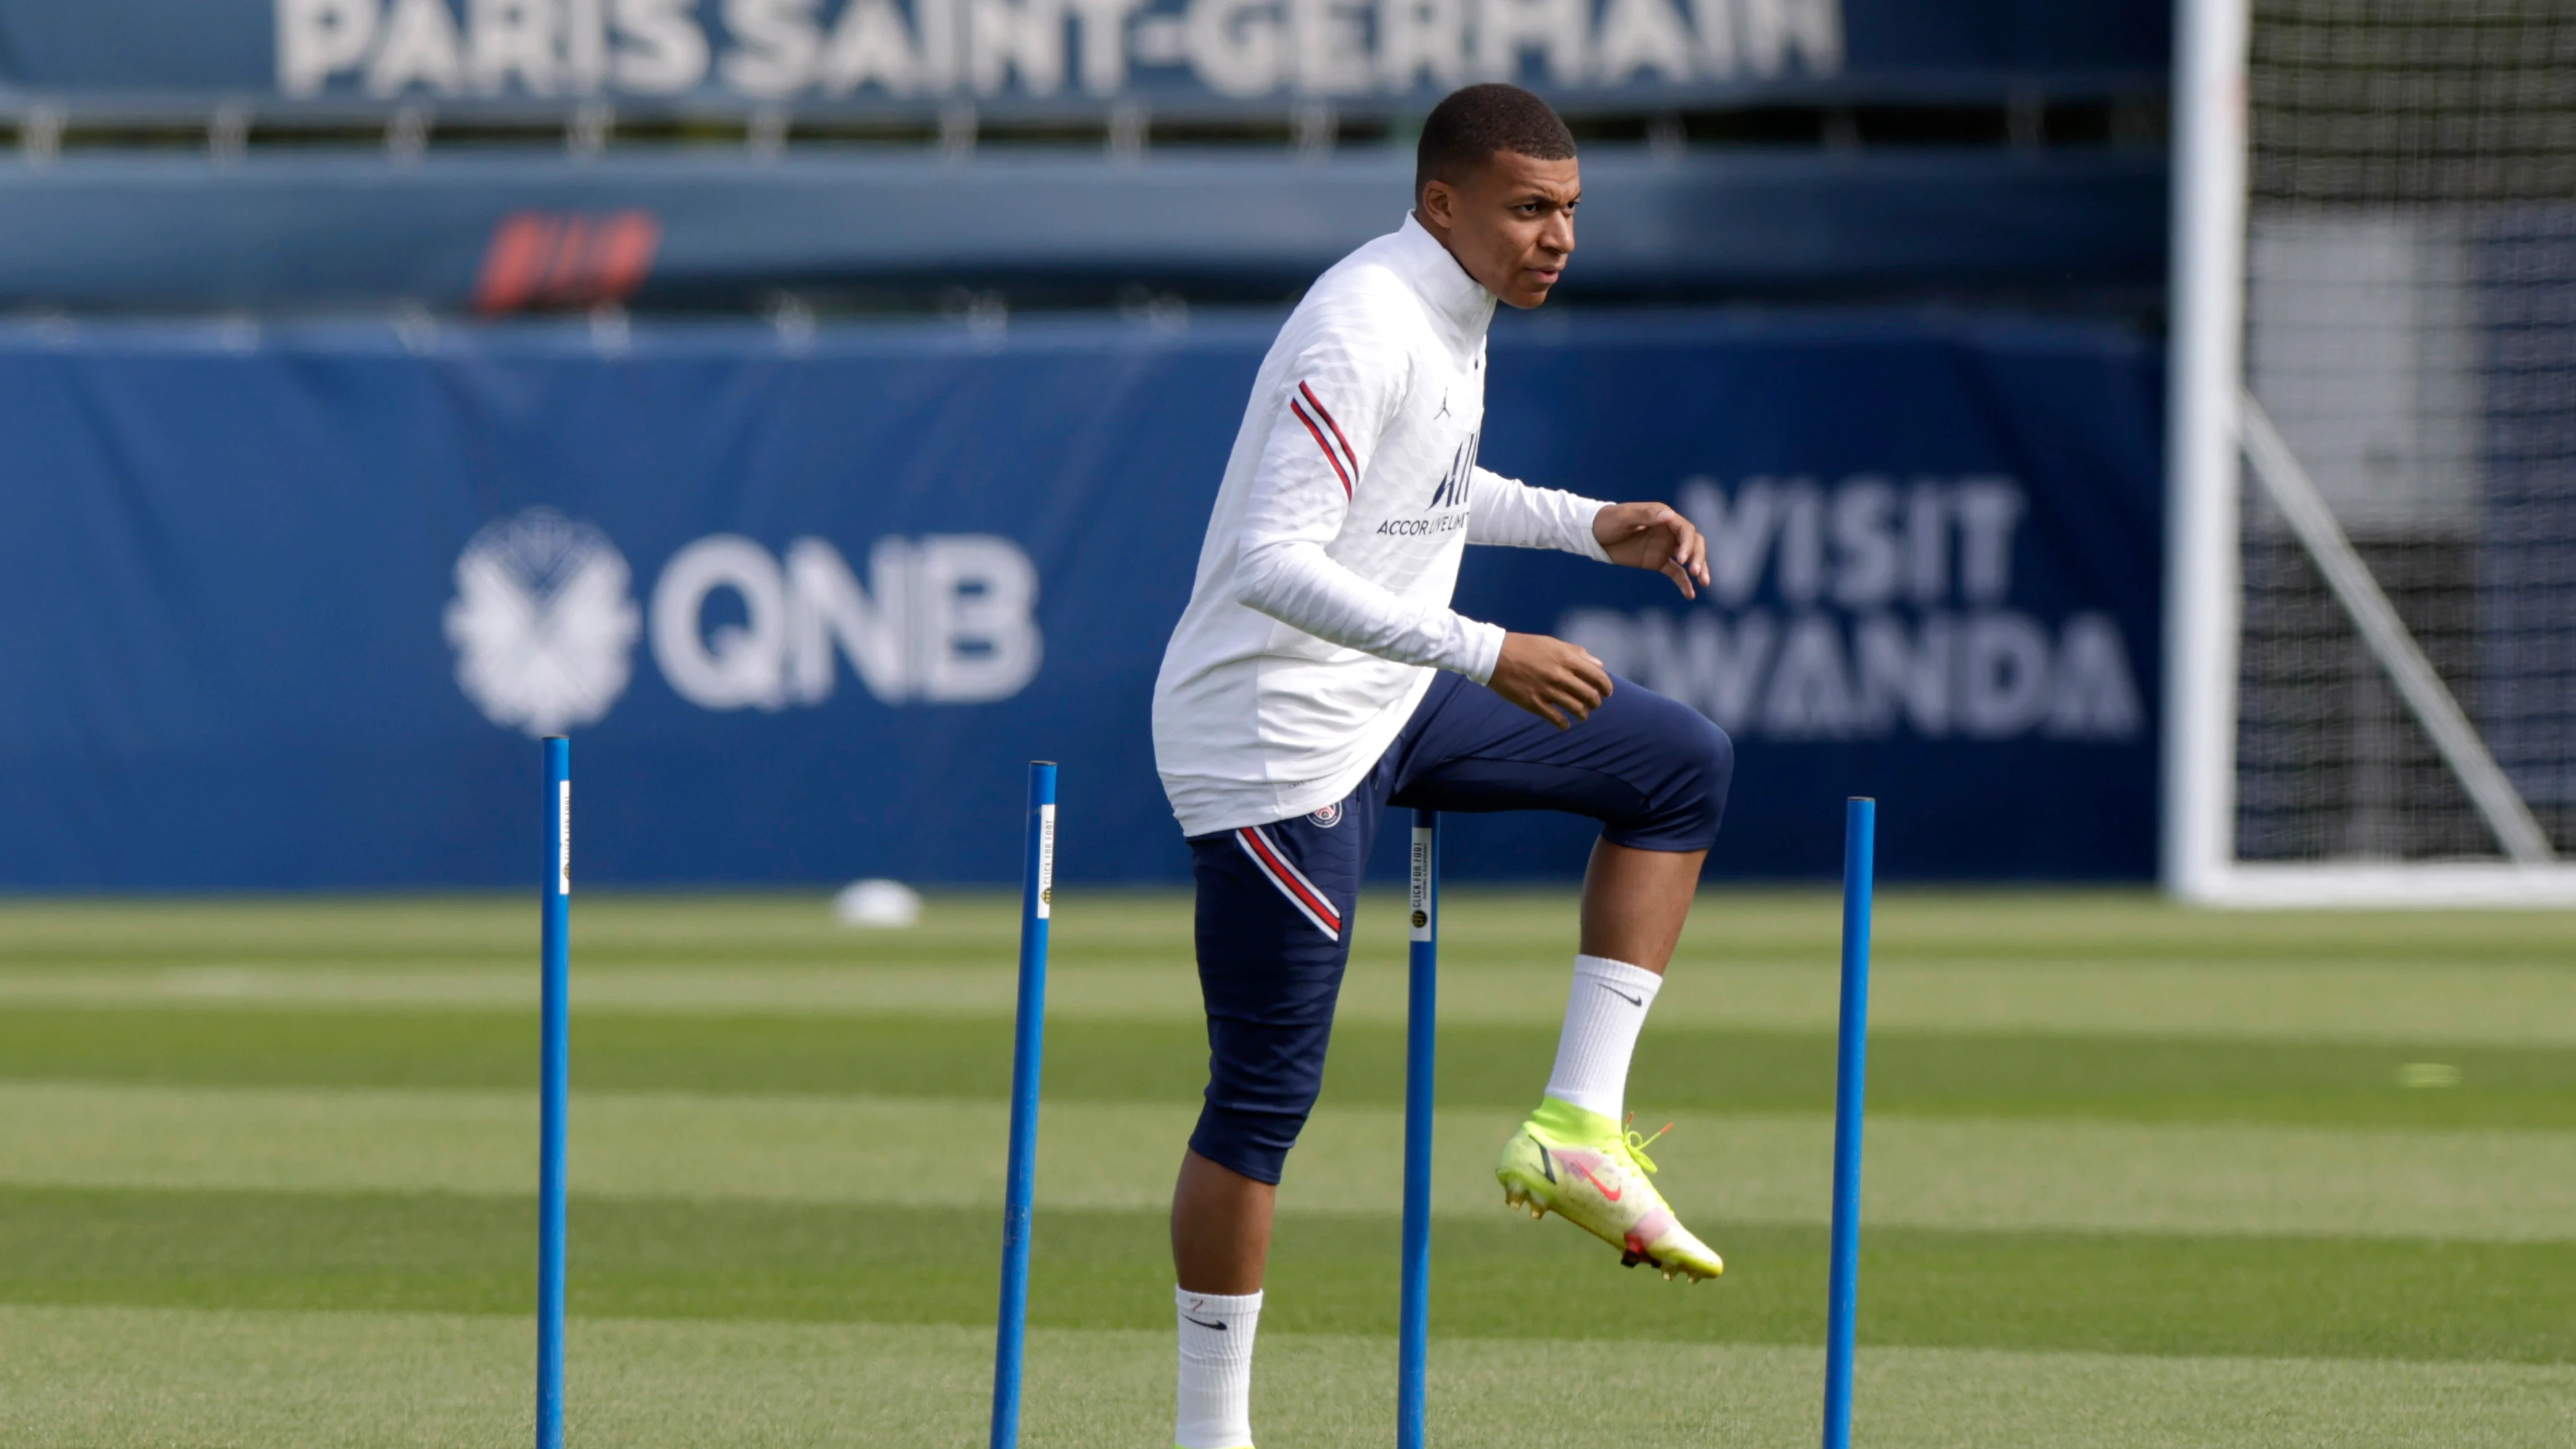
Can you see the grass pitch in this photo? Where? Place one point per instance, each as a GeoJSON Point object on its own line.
{"type": "Point", "coordinates": [2136, 1176]}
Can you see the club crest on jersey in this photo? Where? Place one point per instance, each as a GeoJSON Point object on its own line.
{"type": "Point", "coordinates": [1326, 818]}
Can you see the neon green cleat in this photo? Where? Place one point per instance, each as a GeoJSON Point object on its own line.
{"type": "Point", "coordinates": [1583, 1166]}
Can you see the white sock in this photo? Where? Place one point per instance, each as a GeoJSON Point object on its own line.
{"type": "Point", "coordinates": [1216, 1369]}
{"type": "Point", "coordinates": [1602, 1015]}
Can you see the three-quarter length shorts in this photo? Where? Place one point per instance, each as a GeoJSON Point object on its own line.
{"type": "Point", "coordinates": [1275, 901]}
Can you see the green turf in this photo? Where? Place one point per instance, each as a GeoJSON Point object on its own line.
{"type": "Point", "coordinates": [2138, 1176]}
{"type": "Point", "coordinates": [2495, 1004]}
{"type": "Point", "coordinates": [2131, 1293]}
{"type": "Point", "coordinates": [111, 1378]}
{"type": "Point", "coordinates": [620, 928]}
{"type": "Point", "coordinates": [2018, 1173]}
{"type": "Point", "coordinates": [1948, 1074]}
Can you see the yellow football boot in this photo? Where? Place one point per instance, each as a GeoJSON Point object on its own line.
{"type": "Point", "coordinates": [1585, 1168]}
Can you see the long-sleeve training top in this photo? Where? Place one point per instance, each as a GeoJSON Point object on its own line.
{"type": "Point", "coordinates": [1322, 601]}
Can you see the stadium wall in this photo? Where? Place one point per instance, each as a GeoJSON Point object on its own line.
{"type": "Point", "coordinates": [498, 235]}
{"type": "Point", "coordinates": [292, 601]}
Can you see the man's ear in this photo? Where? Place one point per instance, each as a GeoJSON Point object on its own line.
{"type": "Point", "coordinates": [1439, 204]}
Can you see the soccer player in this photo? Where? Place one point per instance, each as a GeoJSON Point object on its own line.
{"type": "Point", "coordinates": [1319, 676]}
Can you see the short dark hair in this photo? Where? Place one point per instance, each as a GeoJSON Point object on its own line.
{"type": "Point", "coordinates": [1465, 131]}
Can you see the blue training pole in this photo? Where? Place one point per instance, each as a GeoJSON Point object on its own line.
{"type": "Point", "coordinates": [1860, 832]}
{"type": "Point", "coordinates": [1420, 1035]}
{"type": "Point", "coordinates": [555, 1072]}
{"type": "Point", "coordinates": [1037, 903]}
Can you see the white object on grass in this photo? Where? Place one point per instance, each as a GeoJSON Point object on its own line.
{"type": "Point", "coordinates": [877, 903]}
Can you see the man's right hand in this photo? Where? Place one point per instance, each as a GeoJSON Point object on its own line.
{"type": "Point", "coordinates": [1559, 682]}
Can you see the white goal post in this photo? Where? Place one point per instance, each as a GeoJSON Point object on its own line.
{"type": "Point", "coordinates": [2365, 192]}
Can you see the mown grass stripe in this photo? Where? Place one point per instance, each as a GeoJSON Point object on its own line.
{"type": "Point", "coordinates": [1946, 1075]}
{"type": "Point", "coordinates": [2506, 1005]}
{"type": "Point", "coordinates": [1532, 924]}
{"type": "Point", "coordinates": [117, 1378]}
{"type": "Point", "coordinates": [2117, 1293]}
{"type": "Point", "coordinates": [2194, 1178]}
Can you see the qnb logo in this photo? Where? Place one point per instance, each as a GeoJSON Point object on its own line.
{"type": "Point", "coordinates": [942, 620]}
{"type": "Point", "coordinates": [542, 623]}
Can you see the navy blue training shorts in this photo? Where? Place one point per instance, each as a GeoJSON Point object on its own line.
{"type": "Point", "coordinates": [1275, 901]}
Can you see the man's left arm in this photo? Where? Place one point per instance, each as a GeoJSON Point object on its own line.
{"type": "Point", "coordinates": [1653, 536]}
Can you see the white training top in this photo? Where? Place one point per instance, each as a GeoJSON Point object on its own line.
{"type": "Point", "coordinates": [1322, 600]}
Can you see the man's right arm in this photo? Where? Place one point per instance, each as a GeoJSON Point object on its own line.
{"type": "Point", "coordinates": [1325, 426]}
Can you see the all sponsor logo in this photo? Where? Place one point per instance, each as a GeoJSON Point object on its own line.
{"type": "Point", "coordinates": [1445, 513]}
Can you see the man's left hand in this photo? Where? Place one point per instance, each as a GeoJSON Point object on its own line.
{"type": "Point", "coordinates": [1653, 536]}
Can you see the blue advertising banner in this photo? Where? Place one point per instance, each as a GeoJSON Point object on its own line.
{"type": "Point", "coordinates": [294, 606]}
{"type": "Point", "coordinates": [1202, 51]}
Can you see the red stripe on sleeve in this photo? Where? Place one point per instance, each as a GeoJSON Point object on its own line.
{"type": "Point", "coordinates": [1338, 470]}
{"type": "Point", "coordinates": [1317, 404]}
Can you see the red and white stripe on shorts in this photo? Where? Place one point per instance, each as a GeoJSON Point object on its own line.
{"type": "Point", "coordinates": [1291, 881]}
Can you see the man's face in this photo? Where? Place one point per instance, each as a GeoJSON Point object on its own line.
{"type": "Point", "coordinates": [1510, 223]}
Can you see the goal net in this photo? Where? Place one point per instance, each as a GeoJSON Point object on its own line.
{"type": "Point", "coordinates": [2373, 672]}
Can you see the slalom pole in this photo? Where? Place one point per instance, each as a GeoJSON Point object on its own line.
{"type": "Point", "coordinates": [1860, 832]}
{"type": "Point", "coordinates": [555, 1076]}
{"type": "Point", "coordinates": [1037, 891]}
{"type": "Point", "coordinates": [1420, 1038]}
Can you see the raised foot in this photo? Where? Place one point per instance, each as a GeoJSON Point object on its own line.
{"type": "Point", "coordinates": [1583, 1167]}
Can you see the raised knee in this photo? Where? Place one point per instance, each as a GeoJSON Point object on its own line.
{"type": "Point", "coordinates": [1719, 751]}
{"type": "Point", "coordinates": [1713, 755]}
